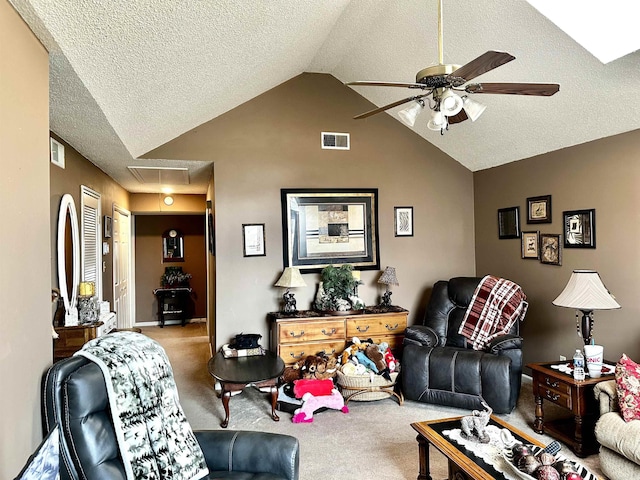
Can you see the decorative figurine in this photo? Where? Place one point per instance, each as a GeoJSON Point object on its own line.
{"type": "Point", "coordinates": [473, 426]}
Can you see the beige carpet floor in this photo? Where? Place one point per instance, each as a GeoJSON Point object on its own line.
{"type": "Point", "coordinates": [373, 441]}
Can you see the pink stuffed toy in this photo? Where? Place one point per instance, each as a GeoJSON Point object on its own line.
{"type": "Point", "coordinates": [304, 414]}
{"type": "Point", "coordinates": [313, 386]}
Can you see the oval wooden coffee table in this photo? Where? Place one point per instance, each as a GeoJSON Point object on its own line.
{"type": "Point", "coordinates": [235, 374]}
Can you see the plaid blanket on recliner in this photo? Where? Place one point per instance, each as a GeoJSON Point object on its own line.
{"type": "Point", "coordinates": [495, 306]}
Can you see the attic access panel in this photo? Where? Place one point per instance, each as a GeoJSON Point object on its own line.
{"type": "Point", "coordinates": [323, 227]}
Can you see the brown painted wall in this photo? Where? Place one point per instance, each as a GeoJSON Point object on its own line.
{"type": "Point", "coordinates": [80, 171]}
{"type": "Point", "coordinates": [273, 142]}
{"type": "Point", "coordinates": [25, 288]}
{"type": "Point", "coordinates": [149, 266]}
{"type": "Point", "coordinates": [605, 175]}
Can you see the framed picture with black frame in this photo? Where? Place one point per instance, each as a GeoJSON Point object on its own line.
{"type": "Point", "coordinates": [403, 221]}
{"type": "Point", "coordinates": [330, 226]}
{"type": "Point", "coordinates": [509, 222]}
{"type": "Point", "coordinates": [539, 209]}
{"type": "Point", "coordinates": [579, 228]}
{"type": "Point", "coordinates": [107, 226]}
{"type": "Point", "coordinates": [550, 249]}
{"type": "Point", "coordinates": [530, 245]}
{"type": "Point", "coordinates": [253, 240]}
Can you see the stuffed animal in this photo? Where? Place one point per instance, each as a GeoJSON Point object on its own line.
{"type": "Point", "coordinates": [312, 403]}
{"type": "Point", "coordinates": [312, 366]}
{"type": "Point", "coordinates": [313, 386]}
{"type": "Point", "coordinates": [392, 363]}
{"type": "Point", "coordinates": [366, 361]}
{"type": "Point", "coordinates": [375, 356]}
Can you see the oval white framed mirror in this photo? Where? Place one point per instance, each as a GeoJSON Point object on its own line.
{"type": "Point", "coordinates": [69, 296]}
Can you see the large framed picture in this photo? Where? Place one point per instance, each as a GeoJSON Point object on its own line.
{"type": "Point", "coordinates": [550, 249]}
{"type": "Point", "coordinates": [509, 222]}
{"type": "Point", "coordinates": [253, 240]}
{"type": "Point", "coordinates": [530, 245]}
{"type": "Point", "coordinates": [323, 227]}
{"type": "Point", "coordinates": [579, 228]}
{"type": "Point", "coordinates": [539, 209]}
{"type": "Point", "coordinates": [403, 221]}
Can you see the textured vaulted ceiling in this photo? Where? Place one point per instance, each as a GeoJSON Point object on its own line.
{"type": "Point", "coordinates": [129, 76]}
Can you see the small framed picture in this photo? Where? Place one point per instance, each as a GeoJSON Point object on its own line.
{"type": "Point", "coordinates": [579, 228]}
{"type": "Point", "coordinates": [403, 221]}
{"type": "Point", "coordinates": [530, 245]}
{"type": "Point", "coordinates": [253, 240]}
{"type": "Point", "coordinates": [550, 249]}
{"type": "Point", "coordinates": [509, 222]}
{"type": "Point", "coordinates": [107, 226]}
{"type": "Point", "coordinates": [539, 209]}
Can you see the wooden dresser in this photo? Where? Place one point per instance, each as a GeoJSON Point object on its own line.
{"type": "Point", "coordinates": [309, 332]}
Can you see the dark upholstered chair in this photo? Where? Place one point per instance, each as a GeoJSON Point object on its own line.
{"type": "Point", "coordinates": [439, 367]}
{"type": "Point", "coordinates": [75, 399]}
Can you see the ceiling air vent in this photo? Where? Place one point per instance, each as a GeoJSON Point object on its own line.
{"type": "Point", "coordinates": [335, 141]}
{"type": "Point", "coordinates": [161, 175]}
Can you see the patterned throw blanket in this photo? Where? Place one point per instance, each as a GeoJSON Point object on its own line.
{"type": "Point", "coordinates": [154, 437]}
{"type": "Point", "coordinates": [496, 305]}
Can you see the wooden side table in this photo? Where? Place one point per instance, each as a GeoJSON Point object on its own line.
{"type": "Point", "coordinates": [575, 396]}
{"type": "Point", "coordinates": [172, 303]}
{"type": "Point", "coordinates": [71, 339]}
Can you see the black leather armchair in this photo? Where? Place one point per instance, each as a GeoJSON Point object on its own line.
{"type": "Point", "coordinates": [439, 367]}
{"type": "Point", "coordinates": [75, 399]}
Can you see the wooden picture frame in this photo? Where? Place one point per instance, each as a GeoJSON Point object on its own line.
{"type": "Point", "coordinates": [579, 228]}
{"type": "Point", "coordinates": [539, 209]}
{"type": "Point", "coordinates": [550, 249]}
{"type": "Point", "coordinates": [253, 240]}
{"type": "Point", "coordinates": [509, 222]}
{"type": "Point", "coordinates": [107, 226]}
{"type": "Point", "coordinates": [530, 245]}
{"type": "Point", "coordinates": [403, 221]}
{"type": "Point", "coordinates": [323, 227]}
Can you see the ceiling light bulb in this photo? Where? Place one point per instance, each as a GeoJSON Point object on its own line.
{"type": "Point", "coordinates": [409, 114]}
{"type": "Point", "coordinates": [168, 200]}
{"type": "Point", "coordinates": [472, 108]}
{"type": "Point", "coordinates": [438, 121]}
{"type": "Point", "coordinates": [450, 103]}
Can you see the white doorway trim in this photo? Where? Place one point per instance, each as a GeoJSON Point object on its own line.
{"type": "Point", "coordinates": [126, 316]}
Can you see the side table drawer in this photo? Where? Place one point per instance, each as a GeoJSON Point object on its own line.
{"type": "Point", "coordinates": [292, 353]}
{"type": "Point", "coordinates": [559, 398]}
{"type": "Point", "coordinates": [310, 331]}
{"type": "Point", "coordinates": [555, 384]}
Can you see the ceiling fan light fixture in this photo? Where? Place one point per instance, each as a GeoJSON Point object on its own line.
{"type": "Point", "coordinates": [472, 108]}
{"type": "Point", "coordinates": [409, 114]}
{"type": "Point", "coordinates": [438, 122]}
{"type": "Point", "coordinates": [450, 103]}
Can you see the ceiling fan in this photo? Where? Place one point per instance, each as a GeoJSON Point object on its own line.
{"type": "Point", "coordinates": [439, 84]}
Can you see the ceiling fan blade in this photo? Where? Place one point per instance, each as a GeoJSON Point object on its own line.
{"type": "Point", "coordinates": [484, 63]}
{"type": "Point", "coordinates": [387, 107]}
{"type": "Point", "coordinates": [372, 83]}
{"type": "Point", "coordinates": [457, 118]}
{"type": "Point", "coordinates": [539, 89]}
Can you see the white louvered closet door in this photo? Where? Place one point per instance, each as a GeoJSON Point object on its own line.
{"type": "Point", "coordinates": [90, 236]}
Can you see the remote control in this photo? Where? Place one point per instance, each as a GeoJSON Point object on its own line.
{"type": "Point", "coordinates": [553, 448]}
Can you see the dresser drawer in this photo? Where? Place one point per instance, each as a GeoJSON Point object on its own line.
{"type": "Point", "coordinates": [292, 353]}
{"type": "Point", "coordinates": [380, 325]}
{"type": "Point", "coordinates": [311, 331]}
{"type": "Point", "coordinates": [559, 398]}
{"type": "Point", "coordinates": [394, 341]}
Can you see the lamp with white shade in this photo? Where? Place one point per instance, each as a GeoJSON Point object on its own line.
{"type": "Point", "coordinates": [586, 292]}
{"type": "Point", "coordinates": [290, 278]}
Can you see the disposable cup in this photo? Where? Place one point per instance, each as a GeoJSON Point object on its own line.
{"type": "Point", "coordinates": [593, 354]}
{"type": "Point", "coordinates": [595, 371]}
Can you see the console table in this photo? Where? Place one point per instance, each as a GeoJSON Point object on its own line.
{"type": "Point", "coordinates": [172, 303]}
{"type": "Point", "coordinates": [308, 332]}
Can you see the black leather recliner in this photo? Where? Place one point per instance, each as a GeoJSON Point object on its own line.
{"type": "Point", "coordinates": [439, 367]}
{"type": "Point", "coordinates": [75, 399]}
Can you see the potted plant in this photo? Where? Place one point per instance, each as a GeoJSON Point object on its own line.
{"type": "Point", "coordinates": [336, 292]}
{"type": "Point", "coordinates": [175, 277]}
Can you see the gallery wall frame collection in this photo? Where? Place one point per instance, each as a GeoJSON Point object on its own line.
{"type": "Point", "coordinates": [322, 227]}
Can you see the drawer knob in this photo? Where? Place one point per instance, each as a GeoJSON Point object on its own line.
{"type": "Point", "coordinates": [297, 356]}
{"type": "Point", "coordinates": [391, 328]}
{"type": "Point", "coordinates": [550, 383]}
{"type": "Point", "coordinates": [552, 396]}
{"type": "Point", "coordinates": [362, 330]}
{"type": "Point", "coordinates": [333, 330]}
{"type": "Point", "coordinates": [298, 335]}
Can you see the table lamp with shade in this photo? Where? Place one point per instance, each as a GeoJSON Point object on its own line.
{"type": "Point", "coordinates": [290, 278]}
{"type": "Point", "coordinates": [586, 292]}
{"type": "Point", "coordinates": [387, 278]}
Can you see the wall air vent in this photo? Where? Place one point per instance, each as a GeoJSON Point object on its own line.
{"type": "Point", "coordinates": [57, 152]}
{"type": "Point", "coordinates": [161, 175]}
{"type": "Point", "coordinates": [335, 141]}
